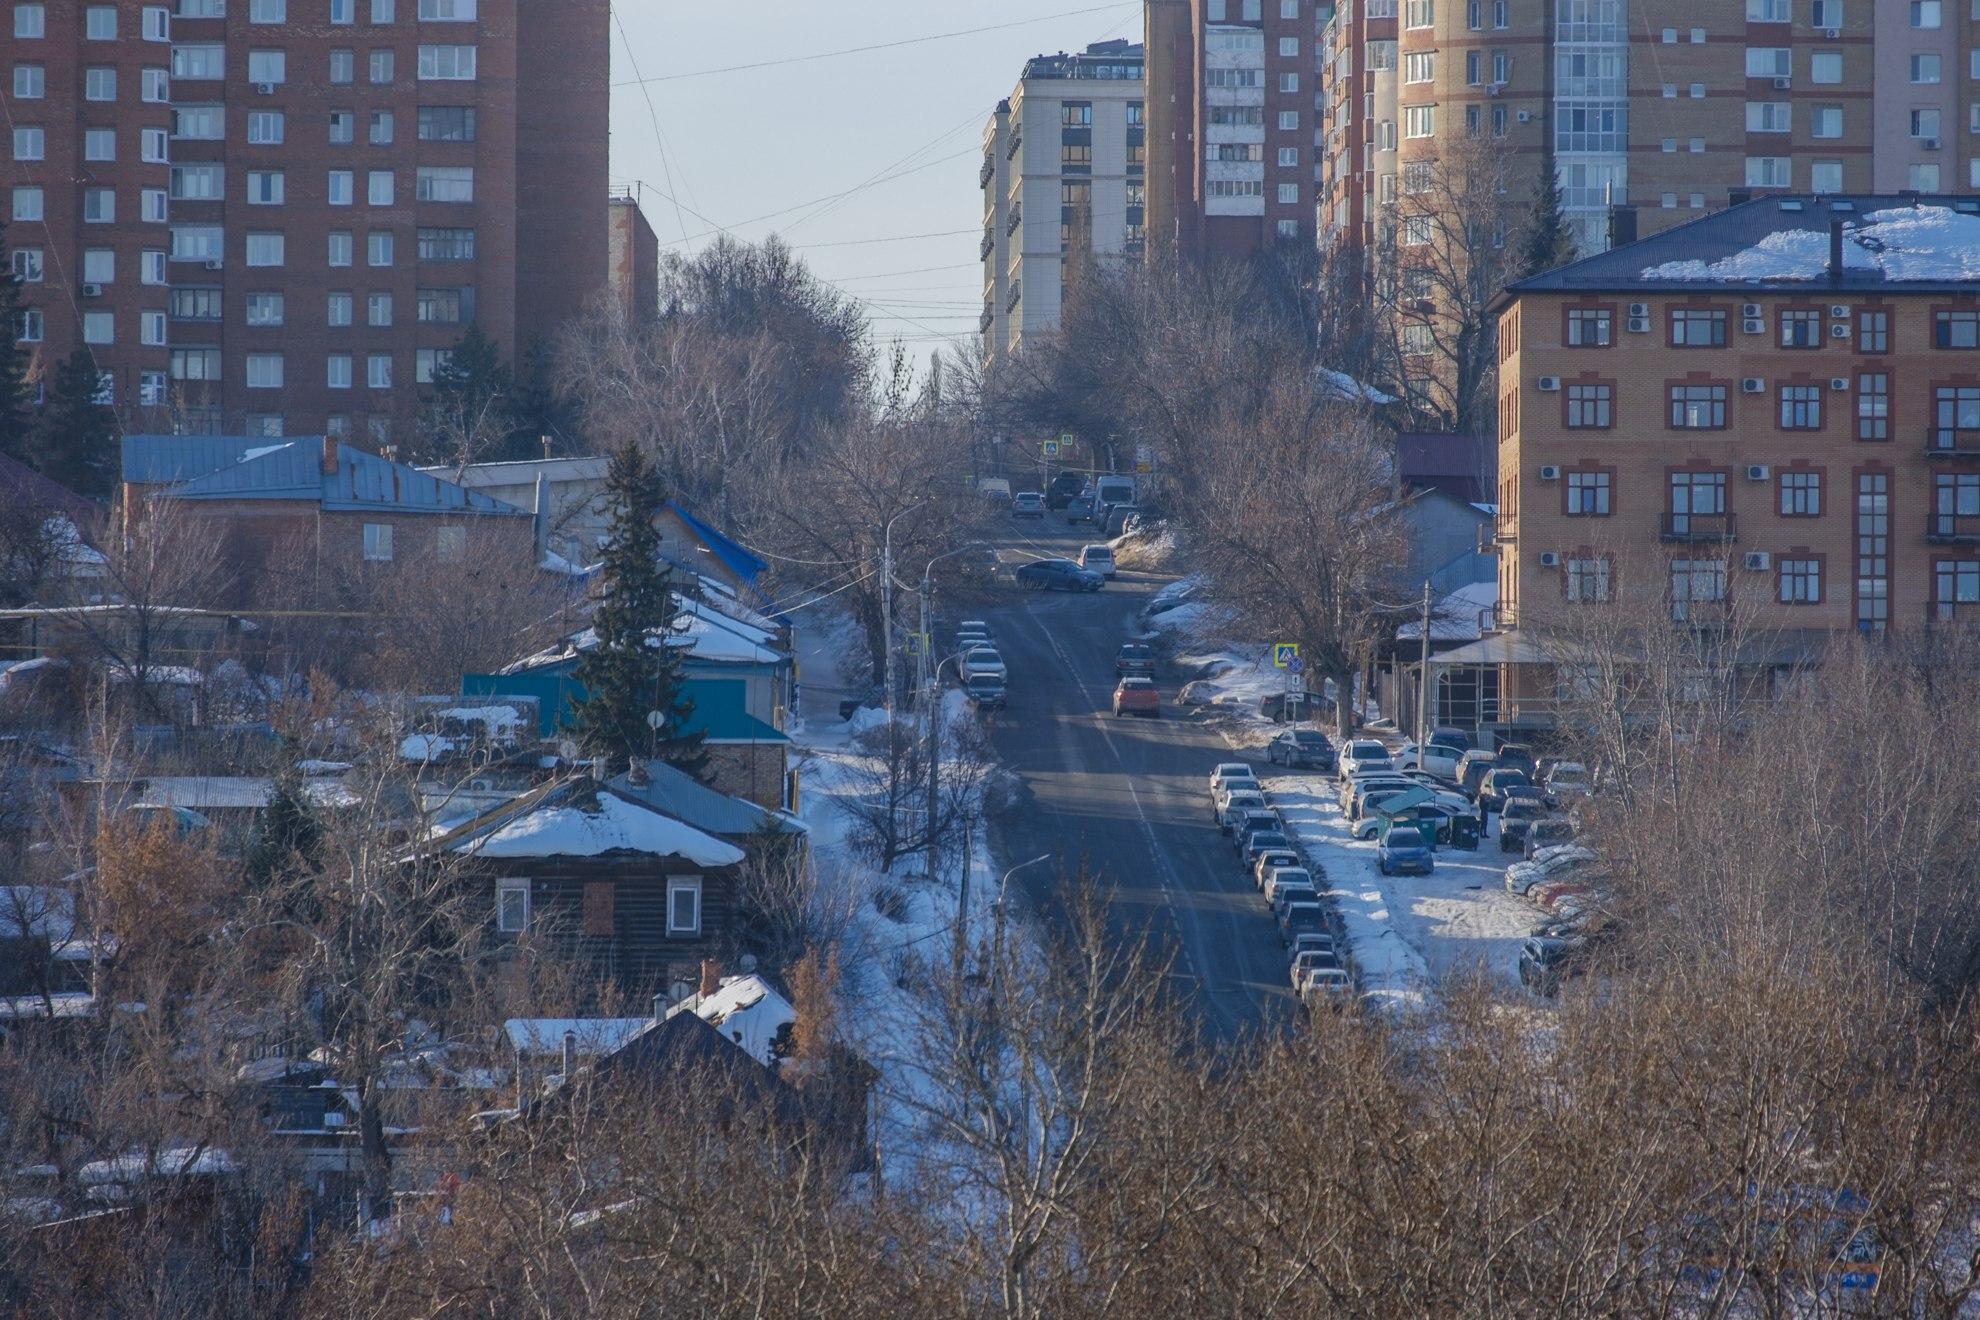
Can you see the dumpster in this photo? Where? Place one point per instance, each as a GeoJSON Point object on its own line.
{"type": "Point", "coordinates": [1464, 832]}
{"type": "Point", "coordinates": [1425, 828]}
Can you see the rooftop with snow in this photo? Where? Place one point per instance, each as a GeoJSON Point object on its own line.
{"type": "Point", "coordinates": [1923, 243]}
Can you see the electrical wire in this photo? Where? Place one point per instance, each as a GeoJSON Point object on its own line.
{"type": "Point", "coordinates": [776, 614]}
{"type": "Point", "coordinates": [659, 138]}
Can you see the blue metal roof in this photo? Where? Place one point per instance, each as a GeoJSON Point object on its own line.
{"type": "Point", "coordinates": [361, 481]}
{"type": "Point", "coordinates": [739, 559]}
{"type": "Point", "coordinates": [168, 459]}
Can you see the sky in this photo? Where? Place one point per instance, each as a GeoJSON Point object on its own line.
{"type": "Point", "coordinates": [805, 147]}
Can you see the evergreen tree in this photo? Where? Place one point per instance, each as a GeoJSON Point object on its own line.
{"type": "Point", "coordinates": [288, 835]}
{"type": "Point", "coordinates": [14, 360]}
{"type": "Point", "coordinates": [78, 441]}
{"type": "Point", "coordinates": [468, 418]}
{"type": "Point", "coordinates": [632, 672]}
{"type": "Point", "coordinates": [1550, 242]}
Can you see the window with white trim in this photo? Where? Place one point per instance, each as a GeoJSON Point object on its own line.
{"type": "Point", "coordinates": [446, 63]}
{"type": "Point", "coordinates": [264, 371]}
{"type": "Point", "coordinates": [684, 905]}
{"type": "Point", "coordinates": [378, 546]}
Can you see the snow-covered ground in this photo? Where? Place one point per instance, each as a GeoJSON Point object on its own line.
{"type": "Point", "coordinates": [1408, 933]}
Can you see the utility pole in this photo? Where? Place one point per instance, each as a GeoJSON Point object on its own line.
{"type": "Point", "coordinates": [1423, 684]}
{"type": "Point", "coordinates": [931, 698]}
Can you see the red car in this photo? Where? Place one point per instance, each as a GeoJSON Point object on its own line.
{"type": "Point", "coordinates": [1137, 696]}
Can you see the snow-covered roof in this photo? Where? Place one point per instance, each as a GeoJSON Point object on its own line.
{"type": "Point", "coordinates": [175, 1162]}
{"type": "Point", "coordinates": [1909, 245]}
{"type": "Point", "coordinates": [608, 823]}
{"type": "Point", "coordinates": [749, 1012]}
{"type": "Point", "coordinates": [499, 721]}
{"type": "Point", "coordinates": [1459, 617]}
{"type": "Point", "coordinates": [1340, 385]}
{"type": "Point", "coordinates": [593, 1035]}
{"type": "Point", "coordinates": [708, 632]}
{"type": "Point", "coordinates": [233, 792]}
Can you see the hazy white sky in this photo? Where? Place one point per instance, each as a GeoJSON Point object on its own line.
{"type": "Point", "coordinates": [765, 150]}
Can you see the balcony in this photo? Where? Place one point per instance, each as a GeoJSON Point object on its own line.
{"type": "Point", "coordinates": [1947, 442]}
{"type": "Point", "coordinates": [989, 170]}
{"type": "Point", "coordinates": [984, 248]}
{"type": "Point", "coordinates": [1016, 219]}
{"type": "Point", "coordinates": [1697, 528]}
{"type": "Point", "coordinates": [1952, 529]}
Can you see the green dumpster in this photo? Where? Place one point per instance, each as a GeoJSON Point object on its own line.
{"type": "Point", "coordinates": [1426, 829]}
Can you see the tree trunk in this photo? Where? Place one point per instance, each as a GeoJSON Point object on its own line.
{"type": "Point", "coordinates": [375, 1156]}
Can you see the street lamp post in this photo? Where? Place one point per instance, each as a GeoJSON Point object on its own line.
{"type": "Point", "coordinates": [931, 686]}
{"type": "Point", "coordinates": [1003, 906]}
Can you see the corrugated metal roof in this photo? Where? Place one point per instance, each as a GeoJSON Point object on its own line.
{"type": "Point", "coordinates": [288, 473]}
{"type": "Point", "coordinates": [174, 458]}
{"type": "Point", "coordinates": [682, 796]}
{"type": "Point", "coordinates": [741, 560]}
{"type": "Point", "coordinates": [361, 481]}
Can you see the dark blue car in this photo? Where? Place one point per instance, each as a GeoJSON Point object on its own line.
{"type": "Point", "coordinates": [1057, 575]}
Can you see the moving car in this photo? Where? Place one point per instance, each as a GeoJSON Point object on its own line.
{"type": "Point", "coordinates": [1057, 575]}
{"type": "Point", "coordinates": [985, 691]}
{"type": "Point", "coordinates": [1115, 518]}
{"type": "Point", "coordinates": [1137, 696]}
{"type": "Point", "coordinates": [1114, 489]}
{"type": "Point", "coordinates": [1079, 509]}
{"type": "Point", "coordinates": [1402, 850]}
{"type": "Point", "coordinates": [1097, 559]}
{"type": "Point", "coordinates": [1064, 488]}
{"type": "Point", "coordinates": [1520, 815]}
{"type": "Point", "coordinates": [1306, 749]}
{"type": "Point", "coordinates": [1364, 754]}
{"type": "Point", "coordinates": [1027, 504]}
{"type": "Point", "coordinates": [983, 659]}
{"type": "Point", "coordinates": [1135, 658]}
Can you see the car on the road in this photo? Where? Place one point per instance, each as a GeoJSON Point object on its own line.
{"type": "Point", "coordinates": [968, 639]}
{"type": "Point", "coordinates": [1057, 575]}
{"type": "Point", "coordinates": [1493, 788]}
{"type": "Point", "coordinates": [1286, 875]}
{"type": "Point", "coordinates": [1301, 749]}
{"type": "Point", "coordinates": [1258, 841]}
{"type": "Point", "coordinates": [1550, 832]}
{"type": "Point", "coordinates": [985, 692]}
{"type": "Point", "coordinates": [1222, 775]}
{"type": "Point", "coordinates": [1113, 518]}
{"type": "Point", "coordinates": [1063, 488]}
{"type": "Point", "coordinates": [983, 659]}
{"type": "Point", "coordinates": [1403, 850]}
{"type": "Point", "coordinates": [1135, 658]}
{"type": "Point", "coordinates": [1286, 895]}
{"type": "Point", "coordinates": [1268, 862]}
{"type": "Point", "coordinates": [1228, 807]}
{"type": "Point", "coordinates": [1364, 754]}
{"type": "Point", "coordinates": [1097, 559]}
{"type": "Point", "coordinates": [1254, 819]}
{"type": "Point", "coordinates": [1079, 509]}
{"type": "Point", "coordinates": [1027, 504]}
{"type": "Point", "coordinates": [1301, 919]}
{"type": "Point", "coordinates": [1137, 696]}
{"type": "Point", "coordinates": [1333, 988]}
{"type": "Point", "coordinates": [1473, 768]}
{"type": "Point", "coordinates": [1520, 815]}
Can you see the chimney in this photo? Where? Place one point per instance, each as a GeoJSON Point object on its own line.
{"type": "Point", "coordinates": [546, 444]}
{"type": "Point", "coordinates": [660, 1007]}
{"type": "Point", "coordinates": [600, 769]}
{"type": "Point", "coordinates": [711, 976]}
{"type": "Point", "coordinates": [329, 465]}
{"type": "Point", "coordinates": [570, 1054]}
{"type": "Point", "coordinates": [1835, 249]}
{"type": "Point", "coordinates": [542, 510]}
{"type": "Point", "coordinates": [636, 774]}
{"type": "Point", "coordinates": [1622, 226]}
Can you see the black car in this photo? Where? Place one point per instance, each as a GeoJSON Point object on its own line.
{"type": "Point", "coordinates": [1135, 658]}
{"type": "Point", "coordinates": [1057, 575]}
{"type": "Point", "coordinates": [1306, 749]}
{"type": "Point", "coordinates": [1517, 756]}
{"type": "Point", "coordinates": [1064, 489]}
{"type": "Point", "coordinates": [1520, 815]}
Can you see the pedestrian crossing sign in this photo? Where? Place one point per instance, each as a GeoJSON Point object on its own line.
{"type": "Point", "coordinates": [1051, 448]}
{"type": "Point", "coordinates": [1284, 654]}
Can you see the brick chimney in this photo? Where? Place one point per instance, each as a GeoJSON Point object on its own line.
{"type": "Point", "coordinates": [329, 464]}
{"type": "Point", "coordinates": [711, 976]}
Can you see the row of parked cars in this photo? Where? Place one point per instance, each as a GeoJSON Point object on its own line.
{"type": "Point", "coordinates": [1318, 963]}
{"type": "Point", "coordinates": [980, 666]}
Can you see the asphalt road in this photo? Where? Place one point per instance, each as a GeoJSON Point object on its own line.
{"type": "Point", "coordinates": [1129, 797]}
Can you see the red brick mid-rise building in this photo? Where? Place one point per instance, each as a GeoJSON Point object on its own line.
{"type": "Point", "coordinates": [269, 216]}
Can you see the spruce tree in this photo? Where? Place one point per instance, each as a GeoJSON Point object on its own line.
{"type": "Point", "coordinates": [14, 360]}
{"type": "Point", "coordinates": [77, 445]}
{"type": "Point", "coordinates": [632, 670]}
{"type": "Point", "coordinates": [1550, 241]}
{"type": "Point", "coordinates": [288, 836]}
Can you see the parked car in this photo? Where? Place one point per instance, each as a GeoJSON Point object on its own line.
{"type": "Point", "coordinates": [972, 630]}
{"type": "Point", "coordinates": [1333, 988]}
{"type": "Point", "coordinates": [1286, 875]}
{"type": "Point", "coordinates": [1544, 963]}
{"type": "Point", "coordinates": [1472, 769]}
{"type": "Point", "coordinates": [1316, 941]}
{"type": "Point", "coordinates": [1301, 919]}
{"type": "Point", "coordinates": [1286, 895]}
{"type": "Point", "coordinates": [997, 489]}
{"type": "Point", "coordinates": [1356, 790]}
{"type": "Point", "coordinates": [1364, 805]}
{"type": "Point", "coordinates": [1097, 559]}
{"type": "Point", "coordinates": [985, 692]}
{"type": "Point", "coordinates": [1259, 841]}
{"type": "Point", "coordinates": [1137, 696]}
{"type": "Point", "coordinates": [1310, 961]}
{"type": "Point", "coordinates": [1226, 771]}
{"type": "Point", "coordinates": [1436, 759]}
{"type": "Point", "coordinates": [1492, 789]}
{"type": "Point", "coordinates": [1135, 658]}
{"type": "Point", "coordinates": [1113, 518]}
{"type": "Point", "coordinates": [1518, 817]}
{"type": "Point", "coordinates": [1268, 862]}
{"type": "Point", "coordinates": [1220, 797]}
{"type": "Point", "coordinates": [1457, 738]}
{"type": "Point", "coordinates": [1079, 509]}
{"type": "Point", "coordinates": [1548, 893]}
{"type": "Point", "coordinates": [1057, 575]}
{"type": "Point", "coordinates": [1549, 832]}
{"type": "Point", "coordinates": [1568, 779]}
{"type": "Point", "coordinates": [1063, 488]}
{"type": "Point", "coordinates": [1252, 821]}
{"type": "Point", "coordinates": [1364, 754]}
{"type": "Point", "coordinates": [1027, 504]}
{"type": "Point", "coordinates": [1403, 850]}
{"type": "Point", "coordinates": [983, 659]}
{"type": "Point", "coordinates": [1518, 755]}
{"type": "Point", "coordinates": [1522, 876]}
{"type": "Point", "coordinates": [1305, 749]}
{"type": "Point", "coordinates": [1239, 804]}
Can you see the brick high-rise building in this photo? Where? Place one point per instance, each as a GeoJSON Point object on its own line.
{"type": "Point", "coordinates": [278, 215]}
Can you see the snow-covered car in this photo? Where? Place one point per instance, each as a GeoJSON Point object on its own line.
{"type": "Point", "coordinates": [1522, 876]}
{"type": "Point", "coordinates": [1364, 754]}
{"type": "Point", "coordinates": [983, 660]}
{"type": "Point", "coordinates": [1543, 836]}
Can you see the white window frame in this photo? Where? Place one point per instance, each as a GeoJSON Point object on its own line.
{"type": "Point", "coordinates": [506, 889]}
{"type": "Point", "coordinates": [378, 542]}
{"type": "Point", "coordinates": [684, 884]}
{"type": "Point", "coordinates": [445, 63]}
{"type": "Point", "coordinates": [270, 379]}
{"type": "Point", "coordinates": [337, 371]}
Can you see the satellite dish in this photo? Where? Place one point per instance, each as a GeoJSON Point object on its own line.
{"type": "Point", "coordinates": [567, 749]}
{"type": "Point", "coordinates": [747, 962]}
{"type": "Point", "coordinates": [654, 719]}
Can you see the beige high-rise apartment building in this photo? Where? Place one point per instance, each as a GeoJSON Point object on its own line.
{"type": "Point", "coordinates": [1064, 179]}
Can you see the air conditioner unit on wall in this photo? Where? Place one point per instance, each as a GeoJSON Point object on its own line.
{"type": "Point", "coordinates": [1549, 472]}
{"type": "Point", "coordinates": [1838, 382]}
{"type": "Point", "coordinates": [1759, 561]}
{"type": "Point", "coordinates": [266, 89]}
{"type": "Point", "coordinates": [1526, 116]}
{"type": "Point", "coordinates": [92, 290]}
{"type": "Point", "coordinates": [1549, 384]}
{"type": "Point", "coordinates": [1753, 325]}
{"type": "Point", "coordinates": [1839, 331]}
{"type": "Point", "coordinates": [1782, 84]}
{"type": "Point", "coordinates": [1839, 311]}
{"type": "Point", "coordinates": [1639, 325]}
{"type": "Point", "coordinates": [1639, 309]}
{"type": "Point", "coordinates": [1753, 385]}
{"type": "Point", "coordinates": [1550, 559]}
{"type": "Point", "coordinates": [1756, 471]}
{"type": "Point", "coordinates": [1752, 311]}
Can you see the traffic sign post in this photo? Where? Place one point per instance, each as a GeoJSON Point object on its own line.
{"type": "Point", "coordinates": [1285, 654]}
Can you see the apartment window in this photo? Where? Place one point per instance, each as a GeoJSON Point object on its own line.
{"type": "Point", "coordinates": [1801, 494]}
{"type": "Point", "coordinates": [426, 361]}
{"type": "Point", "coordinates": [1956, 583]}
{"type": "Point", "coordinates": [1769, 62]}
{"type": "Point", "coordinates": [1474, 68]}
{"type": "Point", "coordinates": [1381, 56]}
{"type": "Point", "coordinates": [1385, 135]}
{"type": "Point", "coordinates": [30, 143]}
{"type": "Point", "coordinates": [1288, 82]}
{"type": "Point", "coordinates": [265, 187]}
{"type": "Point", "coordinates": [511, 896]}
{"type": "Point", "coordinates": [1417, 230]}
{"type": "Point", "coordinates": [1925, 13]}
{"type": "Point", "coordinates": [446, 11]}
{"type": "Point", "coordinates": [26, 204]}
{"type": "Point", "coordinates": [1956, 330]}
{"type": "Point", "coordinates": [1924, 178]}
{"type": "Point", "coordinates": [378, 546]}
{"type": "Point", "coordinates": [378, 309]}
{"type": "Point", "coordinates": [1419, 121]}
{"type": "Point", "coordinates": [30, 21]}
{"type": "Point", "coordinates": [1588, 406]}
{"type": "Point", "coordinates": [1419, 13]}
{"type": "Point", "coordinates": [98, 85]}
{"type": "Point", "coordinates": [99, 266]}
{"type": "Point", "coordinates": [338, 371]}
{"type": "Point", "coordinates": [1825, 176]}
{"type": "Point", "coordinates": [378, 371]}
{"type": "Point", "coordinates": [264, 371]}
{"type": "Point", "coordinates": [1801, 407]}
{"type": "Point", "coordinates": [1288, 194]}
{"type": "Point", "coordinates": [1956, 415]}
{"type": "Point", "coordinates": [1698, 329]}
{"type": "Point", "coordinates": [343, 67]}
{"type": "Point", "coordinates": [265, 128]}
{"type": "Point", "coordinates": [1873, 332]}
{"type": "Point", "coordinates": [1289, 48]}
{"type": "Point", "coordinates": [264, 249]}
{"type": "Point", "coordinates": [1801, 329]}
{"type": "Point", "coordinates": [445, 306]}
{"type": "Point", "coordinates": [268, 11]}
{"type": "Point", "coordinates": [198, 183]}
{"type": "Point", "coordinates": [446, 63]}
{"type": "Point", "coordinates": [154, 146]}
{"type": "Point", "coordinates": [1588, 494]}
{"type": "Point", "coordinates": [30, 327]}
{"type": "Point", "coordinates": [1770, 116]}
{"type": "Point", "coordinates": [264, 309]}
{"type": "Point", "coordinates": [1769, 171]}
{"type": "Point", "coordinates": [1767, 11]}
{"type": "Point", "coordinates": [197, 243]}
{"type": "Point", "coordinates": [151, 330]}
{"type": "Point", "coordinates": [27, 265]}
{"type": "Point", "coordinates": [1696, 583]}
{"type": "Point", "coordinates": [99, 144]}
{"type": "Point", "coordinates": [338, 311]}
{"type": "Point", "coordinates": [1873, 406]}
{"type": "Point", "coordinates": [268, 66]}
{"type": "Point", "coordinates": [1925, 68]}
{"type": "Point", "coordinates": [1925, 123]}
{"type": "Point", "coordinates": [1825, 13]}
{"type": "Point", "coordinates": [383, 12]}
{"type": "Point", "coordinates": [381, 66]}
{"type": "Point", "coordinates": [1825, 66]}
{"type": "Point", "coordinates": [196, 304]}
{"type": "Point", "coordinates": [343, 12]}
{"type": "Point", "coordinates": [1419, 67]}
{"type": "Point", "coordinates": [1587, 579]}
{"type": "Point", "coordinates": [339, 190]}
{"type": "Point", "coordinates": [100, 22]}
{"type": "Point", "coordinates": [378, 188]}
{"type": "Point", "coordinates": [1698, 407]}
{"type": "Point", "coordinates": [1826, 121]}
{"type": "Point", "coordinates": [99, 327]}
{"type": "Point", "coordinates": [99, 206]}
{"type": "Point", "coordinates": [446, 244]}
{"type": "Point", "coordinates": [684, 901]}
{"type": "Point", "coordinates": [446, 123]}
{"type": "Point", "coordinates": [343, 128]}
{"type": "Point", "coordinates": [340, 248]}
{"type": "Point", "coordinates": [1801, 581]}
{"type": "Point", "coordinates": [152, 205]}
{"type": "Point", "coordinates": [195, 364]}
{"type": "Point", "coordinates": [1288, 156]}
{"type": "Point", "coordinates": [1076, 114]}
{"type": "Point", "coordinates": [30, 82]}
{"type": "Point", "coordinates": [381, 128]}
{"type": "Point", "coordinates": [378, 249]}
